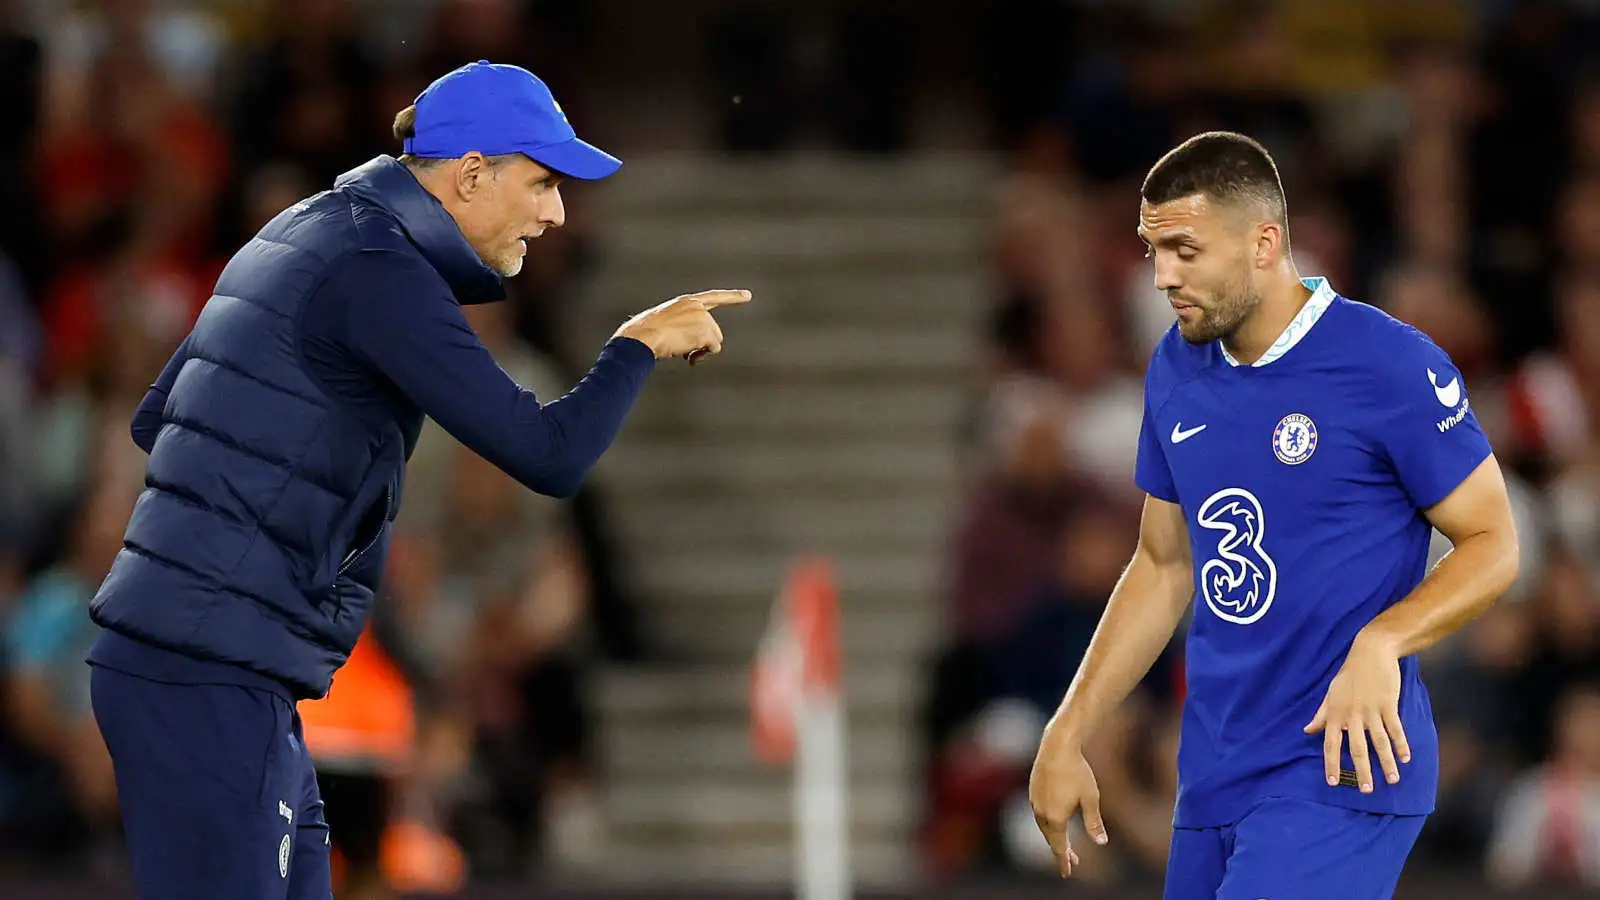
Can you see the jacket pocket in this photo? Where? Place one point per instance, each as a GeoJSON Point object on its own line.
{"type": "Point", "coordinates": [368, 532]}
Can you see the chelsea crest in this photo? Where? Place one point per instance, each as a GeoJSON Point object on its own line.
{"type": "Point", "coordinates": [1295, 439]}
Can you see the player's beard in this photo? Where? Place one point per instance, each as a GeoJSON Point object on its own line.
{"type": "Point", "coordinates": [1230, 306]}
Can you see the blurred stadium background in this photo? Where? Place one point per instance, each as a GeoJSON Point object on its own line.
{"type": "Point", "coordinates": [938, 390]}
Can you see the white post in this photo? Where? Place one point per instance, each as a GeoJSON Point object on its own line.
{"type": "Point", "coordinates": [821, 798]}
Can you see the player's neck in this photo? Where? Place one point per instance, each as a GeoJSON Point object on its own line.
{"type": "Point", "coordinates": [1280, 303]}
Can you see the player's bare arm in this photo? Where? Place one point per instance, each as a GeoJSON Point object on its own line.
{"type": "Point", "coordinates": [1364, 698]}
{"type": "Point", "coordinates": [1142, 816]}
{"type": "Point", "coordinates": [1141, 615]}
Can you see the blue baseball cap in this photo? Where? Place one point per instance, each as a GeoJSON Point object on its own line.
{"type": "Point", "coordinates": [497, 109]}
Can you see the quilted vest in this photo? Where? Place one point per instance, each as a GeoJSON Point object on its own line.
{"type": "Point", "coordinates": [261, 535]}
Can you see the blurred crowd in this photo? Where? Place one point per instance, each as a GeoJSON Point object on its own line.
{"type": "Point", "coordinates": [1442, 162]}
{"type": "Point", "coordinates": [141, 143]}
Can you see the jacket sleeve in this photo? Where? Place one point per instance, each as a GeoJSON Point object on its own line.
{"type": "Point", "coordinates": [401, 321]}
{"type": "Point", "coordinates": [147, 418]}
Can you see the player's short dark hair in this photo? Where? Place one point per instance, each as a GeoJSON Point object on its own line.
{"type": "Point", "coordinates": [405, 127]}
{"type": "Point", "coordinates": [1227, 167]}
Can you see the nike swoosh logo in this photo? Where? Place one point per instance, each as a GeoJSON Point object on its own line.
{"type": "Point", "coordinates": [1179, 435]}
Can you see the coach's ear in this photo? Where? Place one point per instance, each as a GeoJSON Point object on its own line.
{"type": "Point", "coordinates": [471, 172]}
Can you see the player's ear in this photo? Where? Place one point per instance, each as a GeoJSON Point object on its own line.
{"type": "Point", "coordinates": [1269, 244]}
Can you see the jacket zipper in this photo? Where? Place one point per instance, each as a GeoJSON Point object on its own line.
{"type": "Point", "coordinates": [353, 555]}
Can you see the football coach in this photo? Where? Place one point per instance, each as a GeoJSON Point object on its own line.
{"type": "Point", "coordinates": [278, 436]}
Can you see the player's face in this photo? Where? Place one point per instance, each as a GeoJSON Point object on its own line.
{"type": "Point", "coordinates": [519, 199]}
{"type": "Point", "coordinates": [1202, 264]}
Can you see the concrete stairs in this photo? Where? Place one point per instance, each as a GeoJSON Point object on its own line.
{"type": "Point", "coordinates": [827, 426]}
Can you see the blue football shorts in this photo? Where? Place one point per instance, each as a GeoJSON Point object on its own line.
{"type": "Point", "coordinates": [1287, 849]}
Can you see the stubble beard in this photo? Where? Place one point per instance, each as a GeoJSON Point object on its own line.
{"type": "Point", "coordinates": [1220, 321]}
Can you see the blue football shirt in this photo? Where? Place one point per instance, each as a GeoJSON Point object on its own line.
{"type": "Point", "coordinates": [1302, 479]}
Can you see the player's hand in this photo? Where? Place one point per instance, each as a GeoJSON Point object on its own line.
{"type": "Point", "coordinates": [682, 326]}
{"type": "Point", "coordinates": [1364, 701]}
{"type": "Point", "coordinates": [1061, 783]}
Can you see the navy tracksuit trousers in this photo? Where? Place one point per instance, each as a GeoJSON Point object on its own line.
{"type": "Point", "coordinates": [219, 796]}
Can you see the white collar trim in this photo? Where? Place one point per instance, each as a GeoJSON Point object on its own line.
{"type": "Point", "coordinates": [1321, 298]}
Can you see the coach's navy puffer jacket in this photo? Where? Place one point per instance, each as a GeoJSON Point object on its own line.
{"type": "Point", "coordinates": [262, 533]}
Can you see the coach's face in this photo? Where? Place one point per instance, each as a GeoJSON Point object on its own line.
{"type": "Point", "coordinates": [1202, 263]}
{"type": "Point", "coordinates": [504, 204]}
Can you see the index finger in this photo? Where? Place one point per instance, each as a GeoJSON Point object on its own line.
{"type": "Point", "coordinates": [713, 299]}
{"type": "Point", "coordinates": [1397, 734]}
